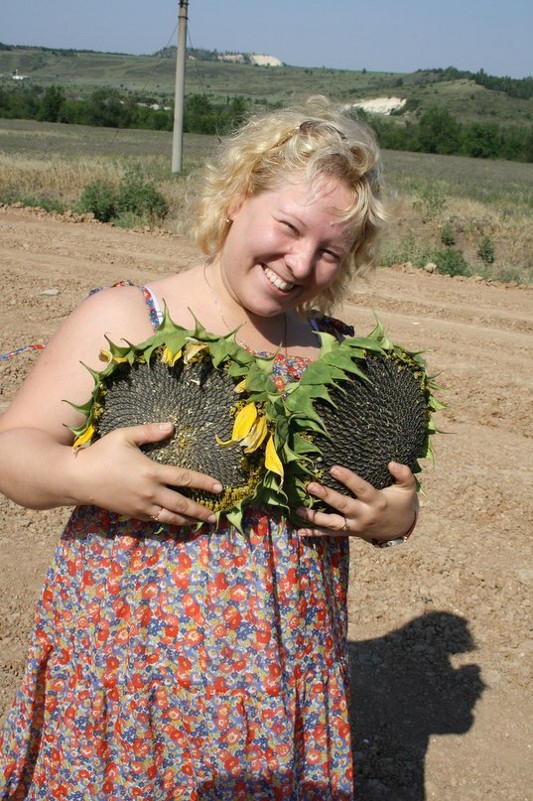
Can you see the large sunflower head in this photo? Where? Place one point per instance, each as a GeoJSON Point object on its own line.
{"type": "Point", "coordinates": [364, 403]}
{"type": "Point", "coordinates": [220, 399]}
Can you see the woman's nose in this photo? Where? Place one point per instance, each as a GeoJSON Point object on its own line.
{"type": "Point", "coordinates": [300, 260]}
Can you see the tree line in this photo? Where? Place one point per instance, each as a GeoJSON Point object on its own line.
{"type": "Point", "coordinates": [111, 108]}
{"type": "Point", "coordinates": [513, 87]}
{"type": "Point", "coordinates": [435, 131]}
{"type": "Point", "coordinates": [438, 131]}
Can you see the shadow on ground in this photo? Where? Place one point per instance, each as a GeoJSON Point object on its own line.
{"type": "Point", "coordinates": [404, 690]}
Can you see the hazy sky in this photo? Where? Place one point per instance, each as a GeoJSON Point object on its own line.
{"type": "Point", "coordinates": [384, 35]}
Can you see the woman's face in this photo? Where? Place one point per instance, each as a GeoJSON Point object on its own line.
{"type": "Point", "coordinates": [286, 245]}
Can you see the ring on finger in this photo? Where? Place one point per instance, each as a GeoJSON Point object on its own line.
{"type": "Point", "coordinates": [155, 516]}
{"type": "Point", "coordinates": [345, 525]}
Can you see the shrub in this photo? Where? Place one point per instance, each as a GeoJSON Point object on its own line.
{"type": "Point", "coordinates": [486, 250]}
{"type": "Point", "coordinates": [100, 198]}
{"type": "Point", "coordinates": [439, 132]}
{"type": "Point", "coordinates": [49, 204]}
{"type": "Point", "coordinates": [409, 248]}
{"type": "Point", "coordinates": [447, 236]}
{"type": "Point", "coordinates": [140, 197]}
{"type": "Point", "coordinates": [451, 262]}
{"type": "Point", "coordinates": [136, 200]}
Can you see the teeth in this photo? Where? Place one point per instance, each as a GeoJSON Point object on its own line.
{"type": "Point", "coordinates": [278, 282]}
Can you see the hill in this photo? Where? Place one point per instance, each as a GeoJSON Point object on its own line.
{"type": "Point", "coordinates": [469, 97]}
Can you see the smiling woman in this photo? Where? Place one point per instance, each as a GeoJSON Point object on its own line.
{"type": "Point", "coordinates": [166, 630]}
{"type": "Point", "coordinates": [284, 247]}
{"type": "Point", "coordinates": [319, 155]}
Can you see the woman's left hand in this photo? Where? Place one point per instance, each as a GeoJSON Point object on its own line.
{"type": "Point", "coordinates": [367, 513]}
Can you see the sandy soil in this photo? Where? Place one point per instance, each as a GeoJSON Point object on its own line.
{"type": "Point", "coordinates": [440, 630]}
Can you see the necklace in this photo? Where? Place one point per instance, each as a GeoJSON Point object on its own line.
{"type": "Point", "coordinates": [283, 343]}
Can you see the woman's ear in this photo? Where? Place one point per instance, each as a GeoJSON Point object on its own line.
{"type": "Point", "coordinates": [232, 211]}
{"type": "Point", "coordinates": [235, 207]}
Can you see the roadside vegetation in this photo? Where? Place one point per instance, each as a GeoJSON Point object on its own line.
{"type": "Point", "coordinates": [467, 216]}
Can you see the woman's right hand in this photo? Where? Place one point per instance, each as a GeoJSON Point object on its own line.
{"type": "Point", "coordinates": [116, 475]}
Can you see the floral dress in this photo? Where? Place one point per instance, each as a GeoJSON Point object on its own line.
{"type": "Point", "coordinates": [172, 664]}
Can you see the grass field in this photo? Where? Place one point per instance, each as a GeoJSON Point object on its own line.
{"type": "Point", "coordinates": [472, 200]}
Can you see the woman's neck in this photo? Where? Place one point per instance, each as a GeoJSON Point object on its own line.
{"type": "Point", "coordinates": [190, 297]}
{"type": "Point", "coordinates": [254, 332]}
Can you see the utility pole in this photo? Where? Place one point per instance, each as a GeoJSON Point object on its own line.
{"type": "Point", "coordinates": [177, 140]}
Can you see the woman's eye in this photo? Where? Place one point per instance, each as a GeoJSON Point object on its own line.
{"type": "Point", "coordinates": [330, 255]}
{"type": "Point", "coordinates": [292, 228]}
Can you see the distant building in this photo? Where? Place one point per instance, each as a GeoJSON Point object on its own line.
{"type": "Point", "coordinates": [265, 61]}
{"type": "Point", "coordinates": [235, 58]}
{"type": "Point", "coordinates": [17, 77]}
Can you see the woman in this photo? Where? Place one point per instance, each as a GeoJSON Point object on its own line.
{"type": "Point", "coordinates": [172, 663]}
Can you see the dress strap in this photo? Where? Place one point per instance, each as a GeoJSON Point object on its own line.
{"type": "Point", "coordinates": [331, 325]}
{"type": "Point", "coordinates": [152, 303]}
{"type": "Point", "coordinates": [154, 307]}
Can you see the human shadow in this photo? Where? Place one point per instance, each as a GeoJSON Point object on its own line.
{"type": "Point", "coordinates": [404, 689]}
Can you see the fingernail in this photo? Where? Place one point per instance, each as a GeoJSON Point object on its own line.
{"type": "Point", "coordinates": [301, 511]}
{"type": "Point", "coordinates": [212, 519]}
{"type": "Point", "coordinates": [165, 426]}
{"type": "Point", "coordinates": [313, 487]}
{"type": "Point", "coordinates": [217, 487]}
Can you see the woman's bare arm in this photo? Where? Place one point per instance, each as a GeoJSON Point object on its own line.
{"type": "Point", "coordinates": [38, 467]}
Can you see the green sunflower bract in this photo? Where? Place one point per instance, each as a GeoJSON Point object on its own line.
{"type": "Point", "coordinates": [220, 398]}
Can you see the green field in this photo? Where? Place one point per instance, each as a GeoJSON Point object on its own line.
{"type": "Point", "coordinates": [473, 199]}
{"type": "Point", "coordinates": [502, 183]}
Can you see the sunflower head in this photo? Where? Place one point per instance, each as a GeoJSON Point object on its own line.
{"type": "Point", "coordinates": [364, 403]}
{"type": "Point", "coordinates": [216, 394]}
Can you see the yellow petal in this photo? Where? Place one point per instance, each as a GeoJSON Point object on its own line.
{"type": "Point", "coordinates": [256, 436]}
{"type": "Point", "coordinates": [241, 386]}
{"type": "Point", "coordinates": [105, 355]}
{"type": "Point", "coordinates": [193, 350]}
{"type": "Point", "coordinates": [223, 442]}
{"type": "Point", "coordinates": [244, 421]}
{"type": "Point", "coordinates": [170, 358]}
{"type": "Point", "coordinates": [272, 460]}
{"type": "Point", "coordinates": [84, 438]}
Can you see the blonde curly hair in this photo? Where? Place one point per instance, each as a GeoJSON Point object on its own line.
{"type": "Point", "coordinates": [316, 139]}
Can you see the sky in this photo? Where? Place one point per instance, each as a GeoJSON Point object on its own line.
{"type": "Point", "coordinates": [381, 35]}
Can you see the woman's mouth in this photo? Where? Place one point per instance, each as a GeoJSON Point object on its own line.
{"type": "Point", "coordinates": [277, 281]}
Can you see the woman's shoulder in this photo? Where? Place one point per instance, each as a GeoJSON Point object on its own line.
{"type": "Point", "coordinates": [129, 295]}
{"type": "Point", "coordinates": [116, 311]}
{"type": "Point", "coordinates": [148, 300]}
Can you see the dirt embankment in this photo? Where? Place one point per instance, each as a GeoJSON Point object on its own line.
{"type": "Point", "coordinates": [440, 630]}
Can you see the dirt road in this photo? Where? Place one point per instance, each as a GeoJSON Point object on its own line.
{"type": "Point", "coordinates": [440, 629]}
